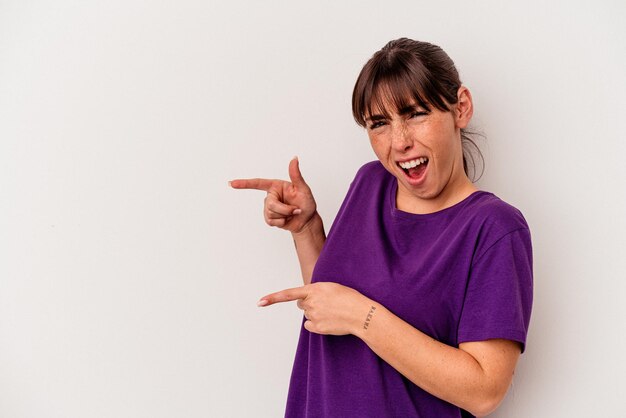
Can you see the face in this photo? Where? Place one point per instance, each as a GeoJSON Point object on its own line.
{"type": "Point", "coordinates": [422, 149]}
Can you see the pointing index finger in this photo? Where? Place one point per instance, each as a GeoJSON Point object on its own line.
{"type": "Point", "coordinates": [286, 295]}
{"type": "Point", "coordinates": [256, 184]}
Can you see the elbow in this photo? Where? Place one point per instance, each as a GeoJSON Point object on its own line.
{"type": "Point", "coordinates": [486, 404]}
{"type": "Point", "coordinates": [483, 409]}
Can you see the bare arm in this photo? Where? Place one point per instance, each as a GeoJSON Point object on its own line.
{"type": "Point", "coordinates": [309, 242]}
{"type": "Point", "coordinates": [475, 376]}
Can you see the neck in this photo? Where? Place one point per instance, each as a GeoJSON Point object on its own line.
{"type": "Point", "coordinates": [452, 194]}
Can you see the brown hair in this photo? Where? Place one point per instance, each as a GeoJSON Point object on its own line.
{"type": "Point", "coordinates": [404, 72]}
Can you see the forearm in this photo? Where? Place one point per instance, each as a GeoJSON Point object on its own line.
{"type": "Point", "coordinates": [446, 372]}
{"type": "Point", "coordinates": [309, 243]}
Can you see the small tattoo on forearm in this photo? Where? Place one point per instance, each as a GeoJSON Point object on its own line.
{"type": "Point", "coordinates": [366, 324]}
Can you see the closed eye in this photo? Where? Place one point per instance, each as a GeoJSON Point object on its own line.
{"type": "Point", "coordinates": [377, 124]}
{"type": "Point", "coordinates": [417, 114]}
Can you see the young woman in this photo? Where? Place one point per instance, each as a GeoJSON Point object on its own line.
{"type": "Point", "coordinates": [418, 302]}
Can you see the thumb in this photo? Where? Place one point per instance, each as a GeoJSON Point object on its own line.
{"type": "Point", "coordinates": [294, 173]}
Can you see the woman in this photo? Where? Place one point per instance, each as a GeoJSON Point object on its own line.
{"type": "Point", "coordinates": [418, 302]}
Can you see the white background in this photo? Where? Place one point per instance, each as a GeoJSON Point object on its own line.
{"type": "Point", "coordinates": [129, 271]}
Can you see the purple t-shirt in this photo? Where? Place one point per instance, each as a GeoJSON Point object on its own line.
{"type": "Point", "coordinates": [461, 274]}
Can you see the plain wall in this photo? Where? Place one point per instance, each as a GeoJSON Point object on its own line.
{"type": "Point", "coordinates": [129, 271]}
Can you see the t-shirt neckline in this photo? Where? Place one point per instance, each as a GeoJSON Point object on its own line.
{"type": "Point", "coordinates": [393, 190]}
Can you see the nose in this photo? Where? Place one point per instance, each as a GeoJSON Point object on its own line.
{"type": "Point", "coordinates": [400, 138]}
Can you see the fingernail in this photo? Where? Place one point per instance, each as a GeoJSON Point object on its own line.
{"type": "Point", "coordinates": [262, 302]}
{"type": "Point", "coordinates": [230, 184]}
{"type": "Point", "coordinates": [297, 211]}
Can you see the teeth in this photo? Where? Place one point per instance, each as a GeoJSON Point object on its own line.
{"type": "Point", "coordinates": [413, 163]}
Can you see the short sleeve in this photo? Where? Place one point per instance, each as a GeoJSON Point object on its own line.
{"type": "Point", "coordinates": [499, 294]}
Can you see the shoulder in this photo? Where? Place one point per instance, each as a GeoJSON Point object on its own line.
{"type": "Point", "coordinates": [369, 175]}
{"type": "Point", "coordinates": [371, 169]}
{"type": "Point", "coordinates": [365, 194]}
{"type": "Point", "coordinates": [489, 210]}
{"type": "Point", "coordinates": [369, 186]}
{"type": "Point", "coordinates": [495, 220]}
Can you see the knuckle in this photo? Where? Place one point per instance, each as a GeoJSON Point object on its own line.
{"type": "Point", "coordinates": [274, 215]}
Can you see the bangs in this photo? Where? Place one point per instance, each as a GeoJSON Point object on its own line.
{"type": "Point", "coordinates": [391, 85]}
{"type": "Point", "coordinates": [392, 95]}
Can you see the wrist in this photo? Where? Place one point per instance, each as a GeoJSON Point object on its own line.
{"type": "Point", "coordinates": [366, 314]}
{"type": "Point", "coordinates": [313, 227]}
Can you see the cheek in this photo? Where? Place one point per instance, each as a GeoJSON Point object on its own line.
{"type": "Point", "coordinates": [450, 152]}
{"type": "Point", "coordinates": [447, 145]}
{"type": "Point", "coordinates": [379, 148]}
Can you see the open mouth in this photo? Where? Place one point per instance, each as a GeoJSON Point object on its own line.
{"type": "Point", "coordinates": [414, 168]}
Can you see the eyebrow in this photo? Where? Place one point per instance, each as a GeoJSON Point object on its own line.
{"type": "Point", "coordinates": [403, 111]}
{"type": "Point", "coordinates": [375, 117]}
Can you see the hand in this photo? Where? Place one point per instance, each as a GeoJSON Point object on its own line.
{"type": "Point", "coordinates": [330, 308]}
{"type": "Point", "coordinates": [288, 205]}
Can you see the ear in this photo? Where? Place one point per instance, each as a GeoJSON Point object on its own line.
{"type": "Point", "coordinates": [464, 107]}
